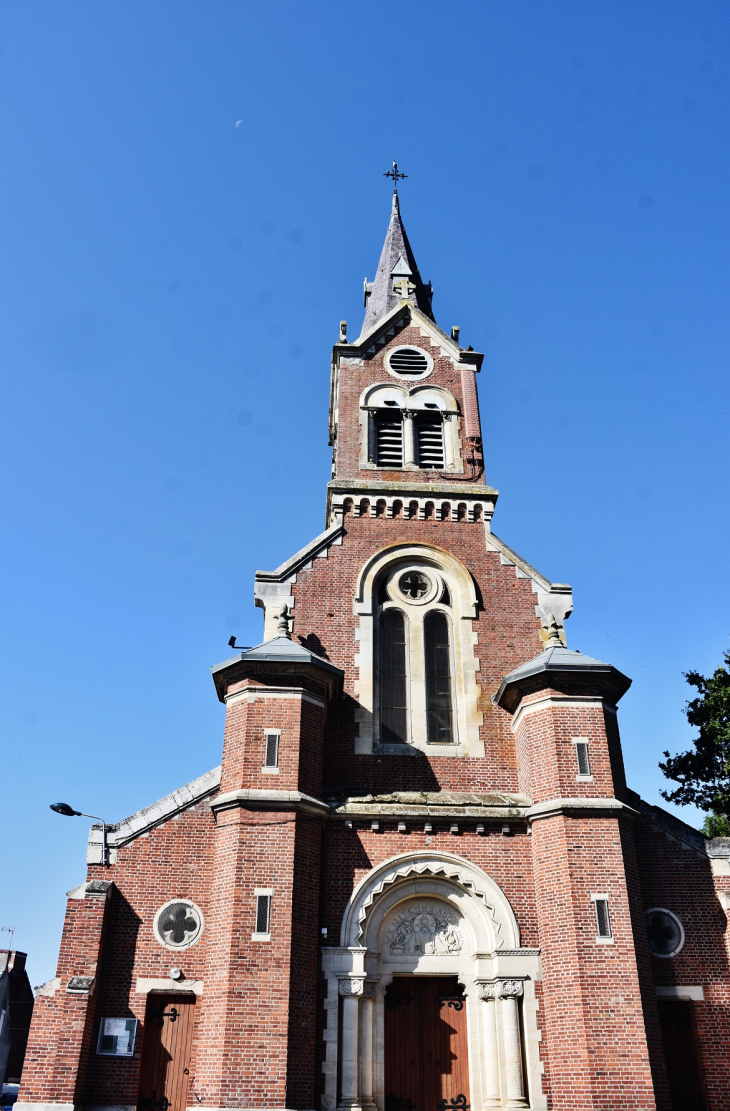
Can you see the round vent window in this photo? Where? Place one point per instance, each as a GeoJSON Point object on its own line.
{"type": "Point", "coordinates": [409, 362]}
{"type": "Point", "coordinates": [178, 924]}
{"type": "Point", "coordinates": [666, 934]}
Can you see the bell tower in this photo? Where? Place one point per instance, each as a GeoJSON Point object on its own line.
{"type": "Point", "coordinates": [404, 415]}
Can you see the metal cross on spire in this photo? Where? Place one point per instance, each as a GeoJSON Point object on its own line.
{"type": "Point", "coordinates": [396, 175]}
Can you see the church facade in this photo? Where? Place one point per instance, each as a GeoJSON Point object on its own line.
{"type": "Point", "coordinates": [419, 880]}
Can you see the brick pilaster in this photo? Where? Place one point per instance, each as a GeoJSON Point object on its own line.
{"type": "Point", "coordinates": [64, 1016]}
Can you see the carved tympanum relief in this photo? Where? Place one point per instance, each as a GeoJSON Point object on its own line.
{"type": "Point", "coordinates": [424, 928]}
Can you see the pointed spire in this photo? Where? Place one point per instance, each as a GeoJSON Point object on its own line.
{"type": "Point", "coordinates": [397, 278]}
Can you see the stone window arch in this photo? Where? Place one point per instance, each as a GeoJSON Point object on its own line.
{"type": "Point", "coordinates": [417, 682]}
{"type": "Point", "coordinates": [409, 429]}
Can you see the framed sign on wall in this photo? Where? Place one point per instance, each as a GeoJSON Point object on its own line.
{"type": "Point", "coordinates": [117, 1037]}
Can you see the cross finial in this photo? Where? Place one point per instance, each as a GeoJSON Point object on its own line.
{"type": "Point", "coordinates": [396, 175]}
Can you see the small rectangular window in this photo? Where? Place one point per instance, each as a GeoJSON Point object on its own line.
{"type": "Point", "coordinates": [581, 755]}
{"type": "Point", "coordinates": [603, 922]}
{"type": "Point", "coordinates": [271, 759]}
{"type": "Point", "coordinates": [263, 913]}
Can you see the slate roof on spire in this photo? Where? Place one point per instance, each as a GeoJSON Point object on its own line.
{"type": "Point", "coordinates": [396, 261]}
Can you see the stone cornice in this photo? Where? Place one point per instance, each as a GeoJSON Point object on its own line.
{"type": "Point", "coordinates": [587, 807]}
{"type": "Point", "coordinates": [254, 799]}
{"type": "Point", "coordinates": [367, 486]}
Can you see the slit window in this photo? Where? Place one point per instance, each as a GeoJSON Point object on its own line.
{"type": "Point", "coordinates": [271, 756]}
{"type": "Point", "coordinates": [439, 726]}
{"type": "Point", "coordinates": [581, 756]}
{"type": "Point", "coordinates": [393, 678]}
{"type": "Point", "coordinates": [603, 920]}
{"type": "Point", "coordinates": [430, 436]}
{"type": "Point", "coordinates": [389, 439]}
{"type": "Point", "coordinates": [263, 913]}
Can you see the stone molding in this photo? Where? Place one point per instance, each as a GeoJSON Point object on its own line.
{"type": "Point", "coordinates": [253, 799]}
{"type": "Point", "coordinates": [81, 985]}
{"type": "Point", "coordinates": [446, 499]}
{"type": "Point", "coordinates": [694, 993]}
{"type": "Point", "coordinates": [416, 865]}
{"type": "Point", "coordinates": [145, 984]}
{"type": "Point", "coordinates": [588, 807]}
{"type": "Point", "coordinates": [251, 694]}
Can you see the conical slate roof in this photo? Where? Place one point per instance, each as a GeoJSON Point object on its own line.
{"type": "Point", "coordinates": [397, 265]}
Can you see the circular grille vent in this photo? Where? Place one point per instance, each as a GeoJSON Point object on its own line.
{"type": "Point", "coordinates": [666, 935]}
{"type": "Point", "coordinates": [409, 362]}
{"type": "Point", "coordinates": [178, 924]}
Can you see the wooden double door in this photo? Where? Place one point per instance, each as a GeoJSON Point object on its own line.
{"type": "Point", "coordinates": [426, 1057]}
{"type": "Point", "coordinates": [167, 1048]}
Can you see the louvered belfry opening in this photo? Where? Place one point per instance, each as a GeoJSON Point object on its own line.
{"type": "Point", "coordinates": [430, 435]}
{"type": "Point", "coordinates": [438, 679]}
{"type": "Point", "coordinates": [389, 439]}
{"type": "Point", "coordinates": [393, 681]}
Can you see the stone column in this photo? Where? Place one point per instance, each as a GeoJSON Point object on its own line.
{"type": "Point", "coordinates": [366, 1045]}
{"type": "Point", "coordinates": [350, 991]}
{"type": "Point", "coordinates": [448, 434]}
{"type": "Point", "coordinates": [488, 994]}
{"type": "Point", "coordinates": [509, 993]}
{"type": "Point", "coordinates": [409, 439]}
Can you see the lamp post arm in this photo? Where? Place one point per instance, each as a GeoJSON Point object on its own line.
{"type": "Point", "coordinates": [104, 852]}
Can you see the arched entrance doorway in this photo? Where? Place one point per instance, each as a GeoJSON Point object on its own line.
{"type": "Point", "coordinates": [429, 926]}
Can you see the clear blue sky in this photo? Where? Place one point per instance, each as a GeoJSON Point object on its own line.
{"type": "Point", "coordinates": [171, 286]}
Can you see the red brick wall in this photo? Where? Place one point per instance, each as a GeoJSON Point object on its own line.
{"type": "Point", "coordinates": [354, 378]}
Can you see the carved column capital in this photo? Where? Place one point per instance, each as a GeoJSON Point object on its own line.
{"type": "Point", "coordinates": [500, 989]}
{"type": "Point", "coordinates": [351, 986]}
{"type": "Point", "coordinates": [369, 989]}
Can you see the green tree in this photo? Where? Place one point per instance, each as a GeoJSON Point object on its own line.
{"type": "Point", "coordinates": [703, 772]}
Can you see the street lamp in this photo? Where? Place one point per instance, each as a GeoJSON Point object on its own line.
{"type": "Point", "coordinates": [69, 812]}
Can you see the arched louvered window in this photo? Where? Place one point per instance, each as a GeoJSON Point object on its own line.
{"type": "Point", "coordinates": [389, 438]}
{"type": "Point", "coordinates": [439, 717]}
{"type": "Point", "coordinates": [393, 680]}
{"type": "Point", "coordinates": [430, 437]}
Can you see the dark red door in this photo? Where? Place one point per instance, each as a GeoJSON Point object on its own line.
{"type": "Point", "coordinates": [164, 1076]}
{"type": "Point", "coordinates": [680, 1051]}
{"type": "Point", "coordinates": [426, 1060]}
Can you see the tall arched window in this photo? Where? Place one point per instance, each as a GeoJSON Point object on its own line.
{"type": "Point", "coordinates": [439, 717]}
{"type": "Point", "coordinates": [393, 679]}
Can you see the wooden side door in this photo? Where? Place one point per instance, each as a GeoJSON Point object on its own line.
{"type": "Point", "coordinates": [426, 1056]}
{"type": "Point", "coordinates": [164, 1077]}
{"type": "Point", "coordinates": [680, 1051]}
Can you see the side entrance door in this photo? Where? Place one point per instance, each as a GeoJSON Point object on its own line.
{"type": "Point", "coordinates": [164, 1076]}
{"type": "Point", "coordinates": [680, 1051]}
{"type": "Point", "coordinates": [426, 1061]}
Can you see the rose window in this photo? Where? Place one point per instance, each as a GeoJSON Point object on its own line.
{"type": "Point", "coordinates": [413, 585]}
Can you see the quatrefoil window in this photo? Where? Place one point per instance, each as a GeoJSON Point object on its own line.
{"type": "Point", "coordinates": [414, 585]}
{"type": "Point", "coordinates": [666, 933]}
{"type": "Point", "coordinates": [178, 924]}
